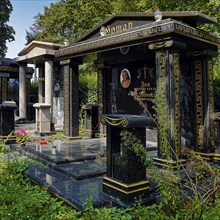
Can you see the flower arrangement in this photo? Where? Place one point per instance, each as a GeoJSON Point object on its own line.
{"type": "Point", "coordinates": [21, 136]}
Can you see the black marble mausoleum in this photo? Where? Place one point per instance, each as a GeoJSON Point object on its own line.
{"type": "Point", "coordinates": [139, 54]}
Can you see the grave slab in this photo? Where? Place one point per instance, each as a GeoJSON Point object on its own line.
{"type": "Point", "coordinates": [60, 152]}
{"type": "Point", "coordinates": [71, 191]}
{"type": "Point", "coordinates": [83, 169]}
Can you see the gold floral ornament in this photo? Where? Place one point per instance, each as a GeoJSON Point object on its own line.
{"type": "Point", "coordinates": [21, 137]}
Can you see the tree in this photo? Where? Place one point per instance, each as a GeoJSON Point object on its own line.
{"type": "Point", "coordinates": [68, 19]}
{"type": "Point", "coordinates": [6, 31]}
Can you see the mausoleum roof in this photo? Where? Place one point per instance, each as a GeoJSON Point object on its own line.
{"type": "Point", "coordinates": [36, 50]}
{"type": "Point", "coordinates": [192, 18]}
{"type": "Point", "coordinates": [130, 29]}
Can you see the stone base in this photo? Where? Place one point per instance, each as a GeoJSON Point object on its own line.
{"type": "Point", "coordinates": [90, 134]}
{"type": "Point", "coordinates": [169, 163]}
{"type": "Point", "coordinates": [206, 156]}
{"type": "Point", "coordinates": [98, 135]}
{"type": "Point", "coordinates": [127, 193]}
{"type": "Point", "coordinates": [72, 138]}
{"type": "Point", "coordinates": [8, 140]}
{"type": "Point", "coordinates": [46, 133]}
{"type": "Point", "coordinates": [216, 158]}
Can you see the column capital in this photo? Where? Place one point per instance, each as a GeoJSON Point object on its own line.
{"type": "Point", "coordinates": [202, 53]}
{"type": "Point", "coordinates": [75, 61]}
{"type": "Point", "coordinates": [166, 44]}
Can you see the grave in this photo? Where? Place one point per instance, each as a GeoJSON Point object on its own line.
{"type": "Point", "coordinates": [91, 120]}
{"type": "Point", "coordinates": [138, 55]}
{"type": "Point", "coordinates": [9, 85]}
{"type": "Point", "coordinates": [7, 118]}
{"type": "Point", "coordinates": [126, 174]}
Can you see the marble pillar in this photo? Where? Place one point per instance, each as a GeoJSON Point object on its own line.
{"type": "Point", "coordinates": [168, 76]}
{"type": "Point", "coordinates": [71, 102]}
{"type": "Point", "coordinates": [22, 91]}
{"type": "Point", "coordinates": [48, 82]}
{"type": "Point", "coordinates": [40, 85]}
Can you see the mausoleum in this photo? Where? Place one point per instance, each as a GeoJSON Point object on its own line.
{"type": "Point", "coordinates": [165, 51]}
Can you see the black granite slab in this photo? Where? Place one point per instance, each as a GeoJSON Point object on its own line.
{"type": "Point", "coordinates": [71, 191]}
{"type": "Point", "coordinates": [83, 169]}
{"type": "Point", "coordinates": [77, 193]}
{"type": "Point", "coordinates": [60, 152]}
{"type": "Point", "coordinates": [45, 176]}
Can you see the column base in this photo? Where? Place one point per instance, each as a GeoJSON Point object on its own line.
{"type": "Point", "coordinates": [216, 158]}
{"type": "Point", "coordinates": [90, 134]}
{"type": "Point", "coordinates": [44, 133]}
{"type": "Point", "coordinates": [98, 135]}
{"type": "Point", "coordinates": [127, 193]}
{"type": "Point", "coordinates": [163, 163]}
{"type": "Point", "coordinates": [72, 138]}
{"type": "Point", "coordinates": [206, 156]}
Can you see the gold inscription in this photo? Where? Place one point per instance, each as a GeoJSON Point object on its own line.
{"type": "Point", "coordinates": [146, 91]}
{"type": "Point", "coordinates": [118, 28]}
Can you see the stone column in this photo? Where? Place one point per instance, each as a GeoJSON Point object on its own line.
{"type": "Point", "coordinates": [48, 82]}
{"type": "Point", "coordinates": [40, 85]}
{"type": "Point", "coordinates": [22, 92]}
{"type": "Point", "coordinates": [4, 89]}
{"type": "Point", "coordinates": [101, 94]}
{"type": "Point", "coordinates": [71, 103]}
{"type": "Point", "coordinates": [49, 88]}
{"type": "Point", "coordinates": [168, 97]}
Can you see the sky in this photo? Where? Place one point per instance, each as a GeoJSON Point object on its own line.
{"type": "Point", "coordinates": [21, 19]}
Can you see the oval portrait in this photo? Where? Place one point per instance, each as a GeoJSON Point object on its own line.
{"type": "Point", "coordinates": [125, 78]}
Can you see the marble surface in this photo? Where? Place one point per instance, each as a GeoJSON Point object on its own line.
{"type": "Point", "coordinates": [60, 152]}
{"type": "Point", "coordinates": [83, 169]}
{"type": "Point", "coordinates": [74, 172]}
{"type": "Point", "coordinates": [72, 191]}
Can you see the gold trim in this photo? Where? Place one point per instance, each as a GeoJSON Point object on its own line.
{"type": "Point", "coordinates": [114, 121]}
{"type": "Point", "coordinates": [169, 161]}
{"type": "Point", "coordinates": [205, 154]}
{"type": "Point", "coordinates": [125, 192]}
{"type": "Point", "coordinates": [127, 185]}
{"type": "Point", "coordinates": [158, 45]}
{"type": "Point", "coordinates": [168, 165]}
{"type": "Point", "coordinates": [216, 158]}
{"type": "Point", "coordinates": [146, 32]}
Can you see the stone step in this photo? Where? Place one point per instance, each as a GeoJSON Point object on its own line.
{"type": "Point", "coordinates": [61, 152]}
{"type": "Point", "coordinates": [83, 169]}
{"type": "Point", "coordinates": [68, 189]}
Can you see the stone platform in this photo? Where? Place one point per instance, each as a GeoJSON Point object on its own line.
{"type": "Point", "coordinates": [74, 170]}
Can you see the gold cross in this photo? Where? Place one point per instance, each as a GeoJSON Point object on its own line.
{"type": "Point", "coordinates": [145, 71]}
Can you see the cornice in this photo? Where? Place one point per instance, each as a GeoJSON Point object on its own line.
{"type": "Point", "coordinates": [138, 34]}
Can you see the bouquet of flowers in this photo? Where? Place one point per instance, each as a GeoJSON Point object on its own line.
{"type": "Point", "coordinates": [21, 136]}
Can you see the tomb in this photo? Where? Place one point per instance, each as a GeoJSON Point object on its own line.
{"type": "Point", "coordinates": [170, 54]}
{"type": "Point", "coordinates": [147, 61]}
{"type": "Point", "coordinates": [126, 172]}
{"type": "Point", "coordinates": [9, 86]}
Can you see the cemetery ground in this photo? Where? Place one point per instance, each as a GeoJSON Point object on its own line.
{"type": "Point", "coordinates": [191, 193]}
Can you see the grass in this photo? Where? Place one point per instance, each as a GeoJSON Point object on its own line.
{"type": "Point", "coordinates": [20, 199]}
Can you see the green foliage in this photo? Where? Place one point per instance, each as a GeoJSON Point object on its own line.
{"type": "Point", "coordinates": [161, 115]}
{"type": "Point", "coordinates": [7, 32]}
{"type": "Point", "coordinates": [68, 19]}
{"type": "Point", "coordinates": [3, 147]}
{"type": "Point", "coordinates": [22, 200]}
{"type": "Point", "coordinates": [128, 140]}
{"type": "Point", "coordinates": [88, 81]}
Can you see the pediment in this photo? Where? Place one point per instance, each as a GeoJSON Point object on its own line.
{"type": "Point", "coordinates": [124, 21]}
{"type": "Point", "coordinates": [39, 47]}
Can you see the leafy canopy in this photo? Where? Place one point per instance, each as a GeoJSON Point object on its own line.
{"type": "Point", "coordinates": [6, 31]}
